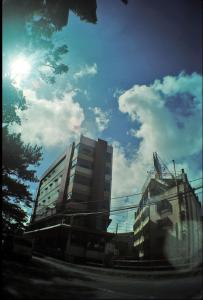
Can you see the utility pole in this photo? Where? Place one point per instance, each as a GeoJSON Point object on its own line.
{"type": "Point", "coordinates": [116, 228]}
{"type": "Point", "coordinates": [179, 204]}
{"type": "Point", "coordinates": [68, 245]}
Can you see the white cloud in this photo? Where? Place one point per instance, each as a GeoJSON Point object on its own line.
{"type": "Point", "coordinates": [117, 92]}
{"type": "Point", "coordinates": [173, 133]}
{"type": "Point", "coordinates": [102, 118]}
{"type": "Point", "coordinates": [86, 70]}
{"type": "Point", "coordinates": [169, 131]}
{"type": "Point", "coordinates": [50, 123]}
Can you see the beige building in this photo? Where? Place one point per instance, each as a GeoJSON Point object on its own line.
{"type": "Point", "coordinates": [168, 221]}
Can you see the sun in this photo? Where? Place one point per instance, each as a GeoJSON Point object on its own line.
{"type": "Point", "coordinates": [20, 68]}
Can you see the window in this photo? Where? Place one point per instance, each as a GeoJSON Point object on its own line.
{"type": "Point", "coordinates": [82, 180]}
{"type": "Point", "coordinates": [166, 222]}
{"type": "Point", "coordinates": [71, 178]}
{"type": "Point", "coordinates": [107, 186]}
{"type": "Point", "coordinates": [177, 235]}
{"type": "Point", "coordinates": [183, 215]}
{"type": "Point", "coordinates": [164, 206]}
{"type": "Point", "coordinates": [84, 163]}
{"type": "Point", "coordinates": [69, 196]}
{"type": "Point", "coordinates": [80, 197]}
{"type": "Point", "coordinates": [108, 170]}
{"type": "Point", "coordinates": [108, 157]}
{"type": "Point", "coordinates": [86, 150]}
{"type": "Point", "coordinates": [74, 163]}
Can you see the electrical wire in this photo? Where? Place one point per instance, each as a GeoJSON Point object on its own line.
{"type": "Point", "coordinates": [119, 197]}
{"type": "Point", "coordinates": [127, 207]}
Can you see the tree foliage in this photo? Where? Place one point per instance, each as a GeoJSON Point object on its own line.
{"type": "Point", "coordinates": [30, 25]}
{"type": "Point", "coordinates": [18, 159]}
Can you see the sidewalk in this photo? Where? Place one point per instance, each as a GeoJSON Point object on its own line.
{"type": "Point", "coordinates": [131, 273]}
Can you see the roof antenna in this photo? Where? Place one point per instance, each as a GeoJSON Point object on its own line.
{"type": "Point", "coordinates": [157, 166]}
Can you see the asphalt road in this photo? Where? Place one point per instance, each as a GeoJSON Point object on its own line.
{"type": "Point", "coordinates": [46, 278]}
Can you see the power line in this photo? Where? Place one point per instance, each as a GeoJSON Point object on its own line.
{"type": "Point", "coordinates": [119, 197]}
{"type": "Point", "coordinates": [195, 179]}
{"type": "Point", "coordinates": [127, 207]}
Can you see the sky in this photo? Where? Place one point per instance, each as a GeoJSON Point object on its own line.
{"type": "Point", "coordinates": [135, 80]}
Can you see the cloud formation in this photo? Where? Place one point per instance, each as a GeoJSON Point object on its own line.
{"type": "Point", "coordinates": [170, 116]}
{"type": "Point", "coordinates": [169, 113]}
{"type": "Point", "coordinates": [50, 123]}
{"type": "Point", "coordinates": [86, 70]}
{"type": "Point", "coordinates": [102, 118]}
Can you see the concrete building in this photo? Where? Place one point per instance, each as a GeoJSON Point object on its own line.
{"type": "Point", "coordinates": [78, 181]}
{"type": "Point", "coordinates": [168, 221]}
{"type": "Point", "coordinates": [124, 244]}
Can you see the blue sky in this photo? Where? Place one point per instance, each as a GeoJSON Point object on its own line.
{"type": "Point", "coordinates": [134, 79]}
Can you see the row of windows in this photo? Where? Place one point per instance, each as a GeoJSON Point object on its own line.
{"type": "Point", "coordinates": [78, 197]}
{"type": "Point", "coordinates": [81, 179]}
{"type": "Point", "coordinates": [108, 157]}
{"type": "Point", "coordinates": [44, 210]}
{"type": "Point", "coordinates": [87, 150]}
{"type": "Point", "coordinates": [52, 184]}
{"type": "Point", "coordinates": [82, 163]}
{"type": "Point", "coordinates": [56, 170]}
{"type": "Point", "coordinates": [88, 181]}
{"type": "Point", "coordinates": [52, 196]}
{"type": "Point", "coordinates": [107, 186]}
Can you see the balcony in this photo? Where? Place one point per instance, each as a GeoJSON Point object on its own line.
{"type": "Point", "coordinates": [182, 215]}
{"type": "Point", "coordinates": [164, 206]}
{"type": "Point", "coordinates": [165, 223]}
{"type": "Point", "coordinates": [76, 206]}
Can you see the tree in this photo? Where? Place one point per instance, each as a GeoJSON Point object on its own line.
{"type": "Point", "coordinates": [29, 26]}
{"type": "Point", "coordinates": [18, 159]}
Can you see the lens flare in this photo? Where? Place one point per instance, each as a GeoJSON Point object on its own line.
{"type": "Point", "coordinates": [20, 68]}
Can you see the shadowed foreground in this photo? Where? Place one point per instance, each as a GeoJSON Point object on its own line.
{"type": "Point", "coordinates": [46, 278]}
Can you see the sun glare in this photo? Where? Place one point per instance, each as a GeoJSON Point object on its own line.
{"type": "Point", "coordinates": [20, 68]}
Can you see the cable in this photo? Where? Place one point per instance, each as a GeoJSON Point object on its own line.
{"type": "Point", "coordinates": [195, 179]}
{"type": "Point", "coordinates": [127, 207]}
{"type": "Point", "coordinates": [119, 197]}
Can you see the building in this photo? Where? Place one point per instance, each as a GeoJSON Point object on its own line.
{"type": "Point", "coordinates": [168, 221]}
{"type": "Point", "coordinates": [72, 205]}
{"type": "Point", "coordinates": [77, 182]}
{"type": "Point", "coordinates": [124, 244]}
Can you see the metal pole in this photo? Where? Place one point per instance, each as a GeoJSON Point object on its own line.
{"type": "Point", "coordinates": [68, 246]}
{"type": "Point", "coordinates": [179, 204]}
{"type": "Point", "coordinates": [116, 228]}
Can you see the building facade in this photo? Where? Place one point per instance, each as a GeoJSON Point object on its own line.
{"type": "Point", "coordinates": [168, 221]}
{"type": "Point", "coordinates": [77, 182]}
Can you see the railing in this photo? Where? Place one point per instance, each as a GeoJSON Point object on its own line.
{"type": "Point", "coordinates": [164, 206]}
{"type": "Point", "coordinates": [165, 175]}
{"type": "Point", "coordinates": [166, 222]}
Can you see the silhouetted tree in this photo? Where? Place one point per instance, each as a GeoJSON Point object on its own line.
{"type": "Point", "coordinates": [29, 25]}
{"type": "Point", "coordinates": [17, 160]}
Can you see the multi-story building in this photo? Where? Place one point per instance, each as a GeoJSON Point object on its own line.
{"type": "Point", "coordinates": [77, 182]}
{"type": "Point", "coordinates": [168, 220]}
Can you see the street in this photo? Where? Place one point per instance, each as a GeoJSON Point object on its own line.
{"type": "Point", "coordinates": [48, 278]}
